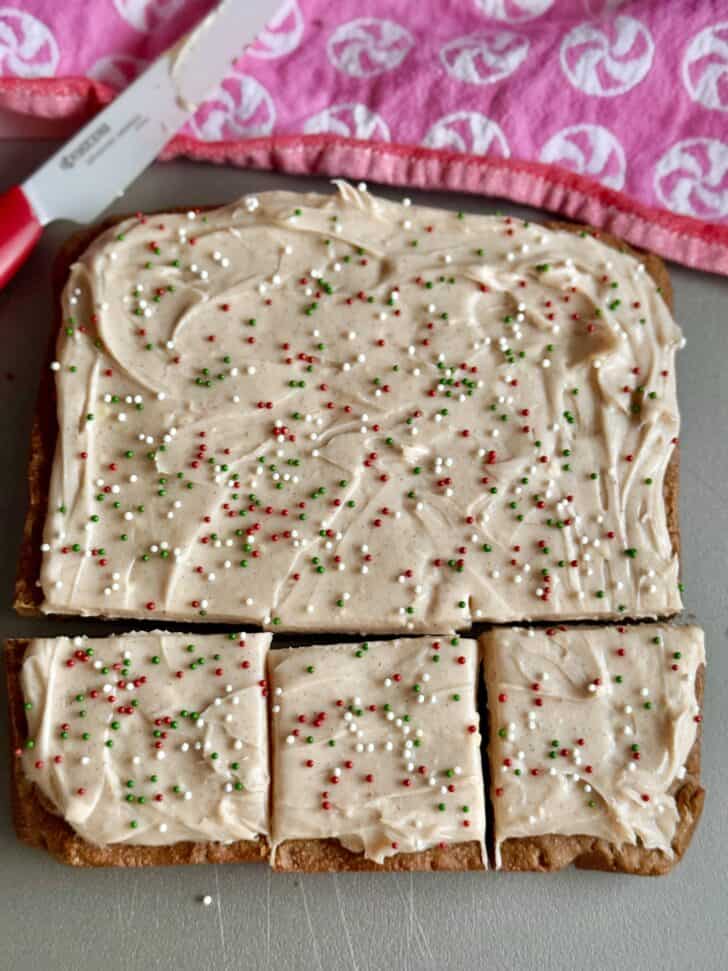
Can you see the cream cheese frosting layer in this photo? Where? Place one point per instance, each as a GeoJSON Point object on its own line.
{"type": "Point", "coordinates": [150, 738]}
{"type": "Point", "coordinates": [590, 730]}
{"type": "Point", "coordinates": [377, 745]}
{"type": "Point", "coordinates": [342, 413]}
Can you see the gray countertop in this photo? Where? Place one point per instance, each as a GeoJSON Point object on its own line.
{"type": "Point", "coordinates": [55, 916]}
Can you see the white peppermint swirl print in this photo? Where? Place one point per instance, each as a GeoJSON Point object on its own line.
{"type": "Point", "coordinates": [484, 57]}
{"type": "Point", "coordinates": [351, 120]}
{"type": "Point", "coordinates": [513, 11]}
{"type": "Point", "coordinates": [368, 46]}
{"type": "Point", "coordinates": [705, 67]}
{"type": "Point", "coordinates": [145, 15]}
{"type": "Point", "coordinates": [589, 150]}
{"type": "Point", "coordinates": [282, 34]}
{"type": "Point", "coordinates": [117, 70]}
{"type": "Point", "coordinates": [692, 178]}
{"type": "Point", "coordinates": [28, 49]}
{"type": "Point", "coordinates": [607, 58]}
{"type": "Point", "coordinates": [240, 108]}
{"type": "Point", "coordinates": [470, 132]}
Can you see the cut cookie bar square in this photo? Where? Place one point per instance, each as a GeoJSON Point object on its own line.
{"type": "Point", "coordinates": [594, 745]}
{"type": "Point", "coordinates": [341, 413]}
{"type": "Point", "coordinates": [142, 749]}
{"type": "Point", "coordinates": [376, 757]}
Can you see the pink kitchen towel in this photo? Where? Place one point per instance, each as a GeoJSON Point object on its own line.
{"type": "Point", "coordinates": [614, 112]}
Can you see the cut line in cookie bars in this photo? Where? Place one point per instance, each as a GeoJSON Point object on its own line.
{"type": "Point", "coordinates": [593, 757]}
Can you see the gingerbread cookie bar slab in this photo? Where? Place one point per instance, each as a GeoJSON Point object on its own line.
{"type": "Point", "coordinates": [594, 745]}
{"type": "Point", "coordinates": [141, 749]}
{"type": "Point", "coordinates": [295, 407]}
{"type": "Point", "coordinates": [376, 757]}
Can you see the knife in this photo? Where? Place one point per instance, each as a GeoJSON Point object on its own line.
{"type": "Point", "coordinates": [101, 160]}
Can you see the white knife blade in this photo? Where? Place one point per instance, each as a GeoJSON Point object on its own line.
{"type": "Point", "coordinates": [99, 162]}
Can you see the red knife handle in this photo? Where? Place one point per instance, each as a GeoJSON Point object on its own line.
{"type": "Point", "coordinates": [19, 232]}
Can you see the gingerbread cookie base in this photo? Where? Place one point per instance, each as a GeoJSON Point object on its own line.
{"type": "Point", "coordinates": [329, 856]}
{"type": "Point", "coordinates": [552, 852]}
{"type": "Point", "coordinates": [28, 593]}
{"type": "Point", "coordinates": [546, 854]}
{"type": "Point", "coordinates": [36, 825]}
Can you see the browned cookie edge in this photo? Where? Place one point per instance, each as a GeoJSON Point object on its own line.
{"type": "Point", "coordinates": [28, 594]}
{"type": "Point", "coordinates": [36, 824]}
{"type": "Point", "coordinates": [550, 852]}
{"type": "Point", "coordinates": [329, 856]}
